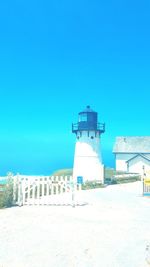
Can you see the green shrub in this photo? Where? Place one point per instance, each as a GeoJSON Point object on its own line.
{"type": "Point", "coordinates": [91, 185]}
{"type": "Point", "coordinates": [6, 194]}
{"type": "Point", "coordinates": [122, 180]}
{"type": "Point", "coordinates": [127, 179]}
{"type": "Point", "coordinates": [114, 181]}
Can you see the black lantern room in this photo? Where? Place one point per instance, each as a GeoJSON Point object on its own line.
{"type": "Point", "coordinates": [88, 121]}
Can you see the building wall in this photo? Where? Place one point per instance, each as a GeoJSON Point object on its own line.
{"type": "Point", "coordinates": [135, 165]}
{"type": "Point", "coordinates": [121, 159]}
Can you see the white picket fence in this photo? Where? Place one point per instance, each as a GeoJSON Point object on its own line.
{"type": "Point", "coordinates": [53, 190]}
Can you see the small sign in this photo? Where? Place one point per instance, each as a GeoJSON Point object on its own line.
{"type": "Point", "coordinates": [147, 181]}
{"type": "Point", "coordinates": [80, 180]}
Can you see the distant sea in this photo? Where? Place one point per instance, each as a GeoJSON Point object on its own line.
{"type": "Point", "coordinates": [44, 167]}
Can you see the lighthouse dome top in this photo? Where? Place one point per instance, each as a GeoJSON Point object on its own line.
{"type": "Point", "coordinates": [87, 109]}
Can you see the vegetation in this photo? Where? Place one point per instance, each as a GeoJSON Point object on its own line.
{"type": "Point", "coordinates": [6, 194]}
{"type": "Point", "coordinates": [63, 172]}
{"type": "Point", "coordinates": [110, 172]}
{"type": "Point", "coordinates": [110, 175]}
{"type": "Point", "coordinates": [92, 185]}
{"type": "Point", "coordinates": [118, 177]}
{"type": "Point", "coordinates": [127, 179]}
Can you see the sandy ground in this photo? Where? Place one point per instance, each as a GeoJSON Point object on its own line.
{"type": "Point", "coordinates": [112, 230]}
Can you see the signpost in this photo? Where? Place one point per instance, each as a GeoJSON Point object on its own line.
{"type": "Point", "coordinates": [147, 181]}
{"type": "Point", "coordinates": [80, 180]}
{"type": "Point", "coordinates": [146, 185]}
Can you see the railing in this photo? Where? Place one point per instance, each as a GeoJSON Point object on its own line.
{"type": "Point", "coordinates": [86, 127]}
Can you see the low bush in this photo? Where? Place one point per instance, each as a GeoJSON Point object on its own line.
{"type": "Point", "coordinates": [6, 194]}
{"type": "Point", "coordinates": [128, 179]}
{"type": "Point", "coordinates": [91, 185]}
{"type": "Point", "coordinates": [122, 180]}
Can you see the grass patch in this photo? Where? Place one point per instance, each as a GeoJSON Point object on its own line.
{"type": "Point", "coordinates": [63, 172]}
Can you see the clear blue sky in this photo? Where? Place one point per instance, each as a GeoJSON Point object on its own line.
{"type": "Point", "coordinates": [56, 57]}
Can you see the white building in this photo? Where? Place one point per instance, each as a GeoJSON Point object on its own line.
{"type": "Point", "coordinates": [132, 154]}
{"type": "Point", "coordinates": [87, 159]}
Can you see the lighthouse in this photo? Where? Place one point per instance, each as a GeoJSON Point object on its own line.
{"type": "Point", "coordinates": [87, 159]}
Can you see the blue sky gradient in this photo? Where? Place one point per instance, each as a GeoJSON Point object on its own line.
{"type": "Point", "coordinates": [56, 57]}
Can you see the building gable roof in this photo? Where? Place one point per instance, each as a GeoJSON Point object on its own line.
{"type": "Point", "coordinates": [139, 155]}
{"type": "Point", "coordinates": [132, 144]}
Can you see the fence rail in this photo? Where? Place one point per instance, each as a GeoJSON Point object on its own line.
{"type": "Point", "coordinates": [58, 190]}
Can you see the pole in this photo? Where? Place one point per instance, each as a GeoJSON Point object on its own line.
{"type": "Point", "coordinates": [73, 194]}
{"type": "Point", "coordinates": [144, 174]}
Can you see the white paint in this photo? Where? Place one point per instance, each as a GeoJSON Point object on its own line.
{"type": "Point", "coordinates": [87, 159]}
{"type": "Point", "coordinates": [44, 190]}
{"type": "Point", "coordinates": [121, 160]}
{"type": "Point", "coordinates": [135, 165]}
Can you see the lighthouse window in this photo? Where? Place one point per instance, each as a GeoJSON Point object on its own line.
{"type": "Point", "coordinates": [83, 117]}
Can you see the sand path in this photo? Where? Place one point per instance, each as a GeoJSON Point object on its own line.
{"type": "Point", "coordinates": [111, 231]}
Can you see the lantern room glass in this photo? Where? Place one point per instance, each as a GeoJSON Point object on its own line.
{"type": "Point", "coordinates": [83, 117]}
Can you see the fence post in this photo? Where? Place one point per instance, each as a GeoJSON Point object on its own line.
{"type": "Point", "coordinates": [57, 185]}
{"type": "Point", "coordinates": [20, 199]}
{"type": "Point", "coordinates": [23, 190]}
{"type": "Point", "coordinates": [38, 191]}
{"type": "Point", "coordinates": [33, 190]}
{"type": "Point", "coordinates": [47, 189]}
{"type": "Point", "coordinates": [73, 191]}
{"type": "Point", "coordinates": [61, 185]}
{"type": "Point", "coordinates": [143, 185]}
{"type": "Point", "coordinates": [14, 189]}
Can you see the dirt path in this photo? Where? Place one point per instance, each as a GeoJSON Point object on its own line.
{"type": "Point", "coordinates": [112, 230]}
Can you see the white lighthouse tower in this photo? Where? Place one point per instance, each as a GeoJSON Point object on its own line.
{"type": "Point", "coordinates": [87, 158]}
